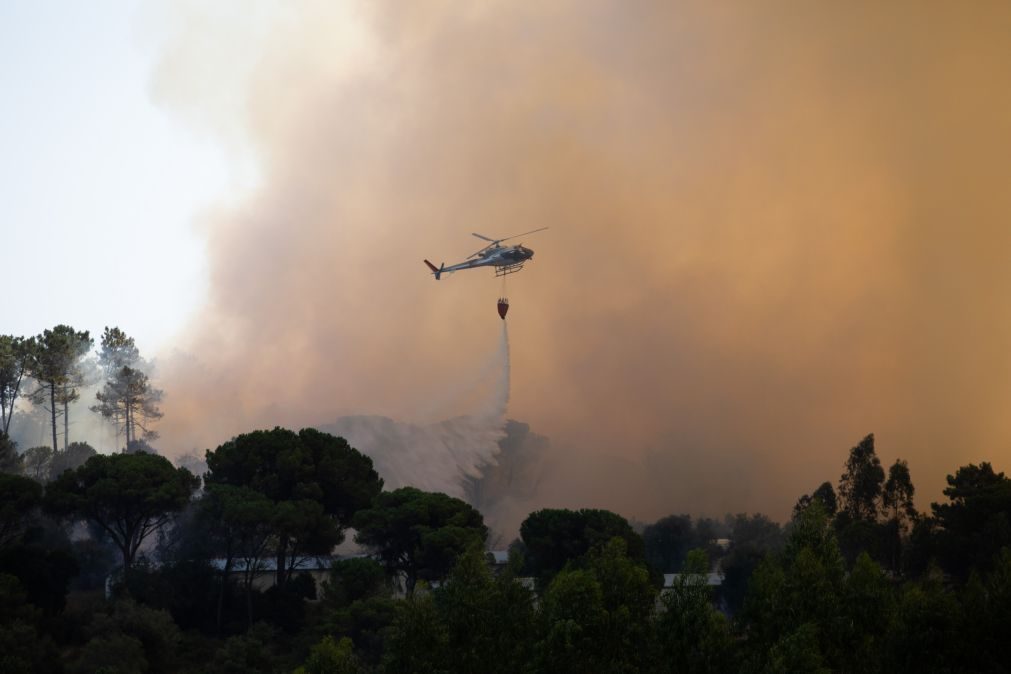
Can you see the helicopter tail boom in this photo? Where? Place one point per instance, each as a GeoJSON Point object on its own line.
{"type": "Point", "coordinates": [436, 270]}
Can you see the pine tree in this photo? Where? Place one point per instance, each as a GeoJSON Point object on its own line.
{"type": "Point", "coordinates": [127, 398]}
{"type": "Point", "coordinates": [15, 354]}
{"type": "Point", "coordinates": [55, 364]}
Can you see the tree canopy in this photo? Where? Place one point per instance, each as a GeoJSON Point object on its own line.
{"type": "Point", "coordinates": [316, 482]}
{"type": "Point", "coordinates": [860, 485]}
{"type": "Point", "coordinates": [555, 537]}
{"type": "Point", "coordinates": [976, 522]}
{"type": "Point", "coordinates": [54, 365]}
{"type": "Point", "coordinates": [127, 397]}
{"type": "Point", "coordinates": [419, 533]}
{"type": "Point", "coordinates": [668, 540]}
{"type": "Point", "coordinates": [129, 496]}
{"type": "Point", "coordinates": [15, 360]}
{"type": "Point", "coordinates": [19, 497]}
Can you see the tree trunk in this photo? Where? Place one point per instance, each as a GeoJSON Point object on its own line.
{"type": "Point", "coordinates": [127, 559]}
{"type": "Point", "coordinates": [282, 561]}
{"type": "Point", "coordinates": [224, 582]}
{"type": "Point", "coordinates": [66, 420]}
{"type": "Point", "coordinates": [52, 409]}
{"type": "Point", "coordinates": [8, 405]}
{"type": "Point", "coordinates": [129, 423]}
{"type": "Point", "coordinates": [248, 582]}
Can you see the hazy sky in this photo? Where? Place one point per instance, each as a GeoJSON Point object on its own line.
{"type": "Point", "coordinates": [775, 227]}
{"type": "Point", "coordinates": [100, 189]}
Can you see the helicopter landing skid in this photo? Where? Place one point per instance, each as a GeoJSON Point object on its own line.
{"type": "Point", "coordinates": [505, 270]}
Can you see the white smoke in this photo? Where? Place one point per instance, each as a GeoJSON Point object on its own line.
{"type": "Point", "coordinates": [440, 455]}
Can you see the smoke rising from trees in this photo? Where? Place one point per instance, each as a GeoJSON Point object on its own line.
{"type": "Point", "coordinates": [773, 230]}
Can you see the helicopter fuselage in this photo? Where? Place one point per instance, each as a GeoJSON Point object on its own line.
{"type": "Point", "coordinates": [505, 259]}
{"type": "Point", "coordinates": [508, 259]}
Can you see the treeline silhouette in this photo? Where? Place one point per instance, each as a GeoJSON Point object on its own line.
{"type": "Point", "coordinates": [126, 563]}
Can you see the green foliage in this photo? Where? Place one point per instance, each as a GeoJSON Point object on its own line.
{"type": "Point", "coordinates": [44, 568]}
{"type": "Point", "coordinates": [95, 557]}
{"type": "Point", "coordinates": [752, 538]}
{"type": "Point", "coordinates": [236, 520]}
{"type": "Point", "coordinates": [860, 485]}
{"type": "Point", "coordinates": [10, 460]}
{"type": "Point", "coordinates": [368, 622]}
{"type": "Point", "coordinates": [315, 481]}
{"type": "Point", "coordinates": [419, 641]}
{"type": "Point", "coordinates": [488, 619]}
{"type": "Point", "coordinates": [237, 523]}
{"type": "Point", "coordinates": [669, 539]}
{"type": "Point", "coordinates": [867, 605]}
{"type": "Point", "coordinates": [629, 601]}
{"type": "Point", "coordinates": [974, 525]}
{"type": "Point", "coordinates": [15, 357]}
{"type": "Point", "coordinates": [598, 618]}
{"type": "Point", "coordinates": [278, 492]}
{"type": "Point", "coordinates": [354, 579]}
{"type": "Point", "coordinates": [114, 653]}
{"type": "Point", "coordinates": [20, 498]}
{"type": "Point", "coordinates": [697, 562]}
{"type": "Point", "coordinates": [186, 589]}
{"type": "Point", "coordinates": [924, 635]}
{"type": "Point", "coordinates": [691, 635]}
{"type": "Point", "coordinates": [130, 496]}
{"type": "Point", "coordinates": [331, 657]}
{"type": "Point", "coordinates": [797, 653]}
{"type": "Point", "coordinates": [35, 463]}
{"type": "Point", "coordinates": [253, 651]}
{"type": "Point", "coordinates": [282, 607]}
{"type": "Point", "coordinates": [420, 534]}
{"type": "Point", "coordinates": [153, 629]}
{"type": "Point", "coordinates": [574, 618]}
{"type": "Point", "coordinates": [825, 494]}
{"type": "Point", "coordinates": [857, 535]}
{"type": "Point", "coordinates": [897, 497]}
{"type": "Point", "coordinates": [127, 397]}
{"type": "Point", "coordinates": [986, 611]}
{"type": "Point", "coordinates": [53, 364]}
{"type": "Point", "coordinates": [803, 586]}
{"type": "Point", "coordinates": [554, 538]}
{"type": "Point", "coordinates": [22, 647]}
{"type": "Point", "coordinates": [74, 456]}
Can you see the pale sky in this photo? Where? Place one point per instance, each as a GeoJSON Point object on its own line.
{"type": "Point", "coordinates": [100, 190]}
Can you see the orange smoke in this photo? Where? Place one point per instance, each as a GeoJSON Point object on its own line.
{"type": "Point", "coordinates": [774, 229]}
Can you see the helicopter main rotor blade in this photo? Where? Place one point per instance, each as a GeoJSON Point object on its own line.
{"type": "Point", "coordinates": [477, 253]}
{"type": "Point", "coordinates": [514, 236]}
{"type": "Point", "coordinates": [481, 236]}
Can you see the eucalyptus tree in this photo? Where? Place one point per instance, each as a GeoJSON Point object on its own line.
{"type": "Point", "coordinates": [897, 497]}
{"type": "Point", "coordinates": [860, 486]}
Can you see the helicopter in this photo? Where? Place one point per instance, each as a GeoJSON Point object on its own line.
{"type": "Point", "coordinates": [505, 259]}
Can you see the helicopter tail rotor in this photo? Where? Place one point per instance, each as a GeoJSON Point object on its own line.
{"type": "Point", "coordinates": [436, 270]}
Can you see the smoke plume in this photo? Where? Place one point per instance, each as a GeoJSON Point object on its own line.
{"type": "Point", "coordinates": [443, 455]}
{"type": "Point", "coordinates": [775, 227]}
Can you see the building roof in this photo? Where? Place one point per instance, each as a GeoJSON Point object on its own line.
{"type": "Point", "coordinates": [713, 579]}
